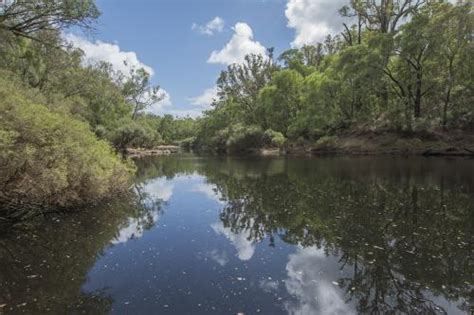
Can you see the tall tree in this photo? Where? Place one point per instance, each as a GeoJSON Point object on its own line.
{"type": "Point", "coordinates": [242, 83]}
{"type": "Point", "coordinates": [27, 17]}
{"type": "Point", "coordinates": [139, 91]}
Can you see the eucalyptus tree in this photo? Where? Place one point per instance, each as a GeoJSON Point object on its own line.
{"type": "Point", "coordinates": [452, 27]}
{"type": "Point", "coordinates": [139, 91]}
{"type": "Point", "coordinates": [241, 84]}
{"type": "Point", "coordinates": [282, 99]}
{"type": "Point", "coordinates": [26, 18]}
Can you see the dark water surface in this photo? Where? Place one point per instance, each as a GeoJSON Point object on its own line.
{"type": "Point", "coordinates": [258, 236]}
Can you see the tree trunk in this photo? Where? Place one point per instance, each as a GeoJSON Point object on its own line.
{"type": "Point", "coordinates": [446, 105]}
{"type": "Point", "coordinates": [447, 99]}
{"type": "Point", "coordinates": [418, 95]}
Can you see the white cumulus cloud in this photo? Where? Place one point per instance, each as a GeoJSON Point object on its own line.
{"type": "Point", "coordinates": [205, 99]}
{"type": "Point", "coordinates": [98, 51]}
{"type": "Point", "coordinates": [212, 27]}
{"type": "Point", "coordinates": [313, 20]}
{"type": "Point", "coordinates": [123, 61]}
{"type": "Point", "coordinates": [241, 44]}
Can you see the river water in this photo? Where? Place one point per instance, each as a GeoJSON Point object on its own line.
{"type": "Point", "coordinates": [257, 236]}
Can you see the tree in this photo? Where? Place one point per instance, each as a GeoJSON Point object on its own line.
{"type": "Point", "coordinates": [282, 99]}
{"type": "Point", "coordinates": [383, 16]}
{"type": "Point", "coordinates": [27, 18]}
{"type": "Point", "coordinates": [305, 60]}
{"type": "Point", "coordinates": [452, 27]}
{"type": "Point", "coordinates": [415, 46]}
{"type": "Point", "coordinates": [241, 83]}
{"type": "Point", "coordinates": [138, 90]}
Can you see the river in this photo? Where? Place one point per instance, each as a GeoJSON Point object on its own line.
{"type": "Point", "coordinates": [367, 235]}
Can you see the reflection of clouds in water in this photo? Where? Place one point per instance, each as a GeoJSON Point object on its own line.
{"type": "Point", "coordinates": [133, 230]}
{"type": "Point", "coordinates": [268, 285]}
{"type": "Point", "coordinates": [245, 248]}
{"type": "Point", "coordinates": [219, 257]}
{"type": "Point", "coordinates": [210, 191]}
{"type": "Point", "coordinates": [159, 189]}
{"type": "Point", "coordinates": [310, 277]}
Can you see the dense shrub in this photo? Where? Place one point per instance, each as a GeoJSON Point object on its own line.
{"type": "Point", "coordinates": [274, 138]}
{"type": "Point", "coordinates": [134, 134]}
{"type": "Point", "coordinates": [50, 159]}
{"type": "Point", "coordinates": [188, 143]}
{"type": "Point", "coordinates": [242, 138]}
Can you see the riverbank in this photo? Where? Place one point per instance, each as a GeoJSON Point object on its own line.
{"type": "Point", "coordinates": [426, 144]}
{"type": "Point", "coordinates": [160, 150]}
{"type": "Point", "coordinates": [371, 143]}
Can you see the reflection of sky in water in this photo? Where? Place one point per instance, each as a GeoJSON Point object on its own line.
{"type": "Point", "coordinates": [210, 191]}
{"type": "Point", "coordinates": [244, 247]}
{"type": "Point", "coordinates": [160, 188]}
{"type": "Point", "coordinates": [312, 279]}
{"type": "Point", "coordinates": [189, 262]}
{"type": "Point", "coordinates": [309, 284]}
{"type": "Point", "coordinates": [156, 190]}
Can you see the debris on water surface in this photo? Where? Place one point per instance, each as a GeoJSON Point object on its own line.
{"type": "Point", "coordinates": [335, 283]}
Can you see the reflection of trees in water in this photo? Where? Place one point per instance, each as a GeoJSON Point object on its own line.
{"type": "Point", "coordinates": [402, 228]}
{"type": "Point", "coordinates": [42, 270]}
{"type": "Point", "coordinates": [403, 233]}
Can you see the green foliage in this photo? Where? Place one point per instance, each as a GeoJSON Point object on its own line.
{"type": "Point", "coordinates": [240, 85]}
{"type": "Point", "coordinates": [134, 134]}
{"type": "Point", "coordinates": [174, 129]}
{"type": "Point", "coordinates": [281, 99]}
{"type": "Point", "coordinates": [29, 18]}
{"type": "Point", "coordinates": [274, 138]}
{"type": "Point", "coordinates": [48, 158]}
{"type": "Point", "coordinates": [188, 143]}
{"type": "Point", "coordinates": [138, 90]}
{"type": "Point", "coordinates": [242, 138]}
{"type": "Point", "coordinates": [379, 74]}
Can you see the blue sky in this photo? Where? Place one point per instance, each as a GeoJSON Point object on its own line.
{"type": "Point", "coordinates": [186, 43]}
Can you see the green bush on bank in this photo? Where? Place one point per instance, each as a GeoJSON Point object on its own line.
{"type": "Point", "coordinates": [274, 138]}
{"type": "Point", "coordinates": [242, 138]}
{"type": "Point", "coordinates": [134, 134]}
{"type": "Point", "coordinates": [49, 158]}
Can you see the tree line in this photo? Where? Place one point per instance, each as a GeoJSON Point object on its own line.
{"type": "Point", "coordinates": [402, 66]}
